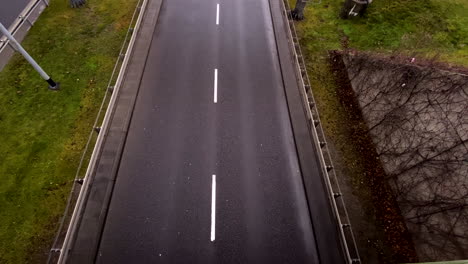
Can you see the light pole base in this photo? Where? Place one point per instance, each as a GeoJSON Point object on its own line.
{"type": "Point", "coordinates": [53, 85]}
{"type": "Point", "coordinates": [55, 88]}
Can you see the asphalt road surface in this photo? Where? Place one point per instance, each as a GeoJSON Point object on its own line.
{"type": "Point", "coordinates": [10, 10]}
{"type": "Point", "coordinates": [209, 171]}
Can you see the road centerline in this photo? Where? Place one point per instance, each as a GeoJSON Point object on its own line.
{"type": "Point", "coordinates": [217, 14]}
{"type": "Point", "coordinates": [213, 207]}
{"type": "Point", "coordinates": [215, 96]}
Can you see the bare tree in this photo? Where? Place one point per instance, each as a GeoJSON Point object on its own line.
{"type": "Point", "coordinates": [418, 119]}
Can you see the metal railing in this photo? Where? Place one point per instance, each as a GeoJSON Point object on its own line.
{"type": "Point", "coordinates": [76, 200]}
{"type": "Point", "coordinates": [20, 27]}
{"type": "Point", "coordinates": [335, 196]}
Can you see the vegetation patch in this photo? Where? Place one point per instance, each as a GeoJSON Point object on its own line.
{"type": "Point", "coordinates": [418, 28]}
{"type": "Point", "coordinates": [43, 132]}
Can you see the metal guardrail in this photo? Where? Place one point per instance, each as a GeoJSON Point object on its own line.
{"type": "Point", "coordinates": [335, 196]}
{"type": "Point", "coordinates": [20, 27]}
{"type": "Point", "coordinates": [69, 222]}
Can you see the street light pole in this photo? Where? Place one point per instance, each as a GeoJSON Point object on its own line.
{"type": "Point", "coordinates": [52, 85]}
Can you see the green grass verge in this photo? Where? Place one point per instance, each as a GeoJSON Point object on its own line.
{"type": "Point", "coordinates": [43, 133]}
{"type": "Point", "coordinates": [425, 28]}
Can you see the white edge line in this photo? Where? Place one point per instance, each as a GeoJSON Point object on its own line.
{"type": "Point", "coordinates": [217, 14]}
{"type": "Point", "coordinates": [213, 208]}
{"type": "Point", "coordinates": [215, 96]}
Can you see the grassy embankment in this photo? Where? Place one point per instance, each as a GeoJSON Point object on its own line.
{"type": "Point", "coordinates": [418, 28]}
{"type": "Point", "coordinates": [42, 133]}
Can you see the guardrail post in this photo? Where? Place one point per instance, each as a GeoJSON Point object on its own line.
{"type": "Point", "coordinates": [11, 46]}
{"type": "Point", "coordinates": [336, 195]}
{"type": "Point", "coordinates": [23, 18]}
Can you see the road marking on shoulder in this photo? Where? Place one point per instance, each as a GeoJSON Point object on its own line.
{"type": "Point", "coordinates": [215, 97]}
{"type": "Point", "coordinates": [217, 14]}
{"type": "Point", "coordinates": [213, 207]}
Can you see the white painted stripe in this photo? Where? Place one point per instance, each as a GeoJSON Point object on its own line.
{"type": "Point", "coordinates": [213, 208]}
{"type": "Point", "coordinates": [215, 98]}
{"type": "Point", "coordinates": [217, 14]}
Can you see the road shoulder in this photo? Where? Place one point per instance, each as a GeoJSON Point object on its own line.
{"type": "Point", "coordinates": [93, 216]}
{"type": "Point", "coordinates": [324, 222]}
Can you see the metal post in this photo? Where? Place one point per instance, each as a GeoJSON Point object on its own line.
{"type": "Point", "coordinates": [23, 18]}
{"type": "Point", "coordinates": [52, 85]}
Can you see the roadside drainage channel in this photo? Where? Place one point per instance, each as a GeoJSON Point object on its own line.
{"type": "Point", "coordinates": [76, 199]}
{"type": "Point", "coordinates": [20, 27]}
{"type": "Point", "coordinates": [335, 196]}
